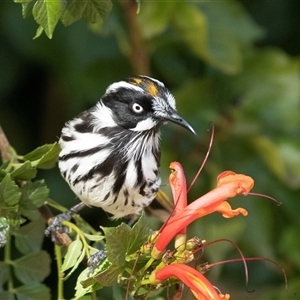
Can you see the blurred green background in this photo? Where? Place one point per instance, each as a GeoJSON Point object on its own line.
{"type": "Point", "coordinates": [233, 63]}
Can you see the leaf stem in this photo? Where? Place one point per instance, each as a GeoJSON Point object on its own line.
{"type": "Point", "coordinates": [147, 265]}
{"type": "Point", "coordinates": [80, 234]}
{"type": "Point", "coordinates": [60, 284]}
{"type": "Point", "coordinates": [7, 260]}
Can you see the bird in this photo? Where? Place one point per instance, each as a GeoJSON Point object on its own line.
{"type": "Point", "coordinates": [110, 153]}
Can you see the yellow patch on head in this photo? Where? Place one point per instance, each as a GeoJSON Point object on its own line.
{"type": "Point", "coordinates": [137, 81]}
{"type": "Point", "coordinates": [152, 89]}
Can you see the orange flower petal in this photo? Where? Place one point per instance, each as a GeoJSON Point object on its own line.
{"type": "Point", "coordinates": [229, 185]}
{"type": "Point", "coordinates": [227, 212]}
{"type": "Point", "coordinates": [197, 282]}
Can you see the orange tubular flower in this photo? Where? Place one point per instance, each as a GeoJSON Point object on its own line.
{"type": "Point", "coordinates": [178, 187]}
{"type": "Point", "coordinates": [199, 285]}
{"type": "Point", "coordinates": [229, 185]}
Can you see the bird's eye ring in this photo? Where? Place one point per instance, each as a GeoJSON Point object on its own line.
{"type": "Point", "coordinates": [137, 108]}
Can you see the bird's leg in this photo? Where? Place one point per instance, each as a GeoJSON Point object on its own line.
{"type": "Point", "coordinates": [131, 219]}
{"type": "Point", "coordinates": [55, 224]}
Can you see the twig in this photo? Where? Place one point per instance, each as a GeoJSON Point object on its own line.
{"type": "Point", "coordinates": [139, 57]}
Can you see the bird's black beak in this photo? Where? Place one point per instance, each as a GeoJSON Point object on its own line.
{"type": "Point", "coordinates": [174, 117]}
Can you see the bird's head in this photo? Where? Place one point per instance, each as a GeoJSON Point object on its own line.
{"type": "Point", "coordinates": [141, 103]}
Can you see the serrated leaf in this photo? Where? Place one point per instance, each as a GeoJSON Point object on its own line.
{"type": "Point", "coordinates": [33, 291]}
{"type": "Point", "coordinates": [73, 253]}
{"type": "Point", "coordinates": [34, 194]}
{"type": "Point", "coordinates": [44, 157]}
{"type": "Point", "coordinates": [109, 276]}
{"type": "Point", "coordinates": [9, 192]}
{"type": "Point", "coordinates": [93, 11]}
{"type": "Point", "coordinates": [97, 10]}
{"type": "Point", "coordinates": [29, 238]}
{"type": "Point", "coordinates": [138, 235]}
{"type": "Point", "coordinates": [47, 13]}
{"type": "Point", "coordinates": [73, 12]}
{"type": "Point", "coordinates": [24, 171]}
{"type": "Point", "coordinates": [33, 267]}
{"type": "Point", "coordinates": [40, 193]}
{"type": "Point", "coordinates": [117, 239]}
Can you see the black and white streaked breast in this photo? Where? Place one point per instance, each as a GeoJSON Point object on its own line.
{"type": "Point", "coordinates": [109, 166]}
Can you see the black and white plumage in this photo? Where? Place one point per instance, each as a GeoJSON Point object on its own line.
{"type": "Point", "coordinates": [110, 153]}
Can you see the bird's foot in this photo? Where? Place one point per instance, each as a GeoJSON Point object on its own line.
{"type": "Point", "coordinates": [94, 260]}
{"type": "Point", "coordinates": [55, 225]}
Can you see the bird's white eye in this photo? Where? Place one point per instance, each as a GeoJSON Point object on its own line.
{"type": "Point", "coordinates": [137, 108]}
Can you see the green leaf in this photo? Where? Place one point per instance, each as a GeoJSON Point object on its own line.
{"type": "Point", "coordinates": [124, 240]}
{"type": "Point", "coordinates": [44, 157]}
{"type": "Point", "coordinates": [24, 171]}
{"type": "Point", "coordinates": [93, 11]}
{"type": "Point", "coordinates": [29, 238]}
{"type": "Point", "coordinates": [85, 284]}
{"type": "Point", "coordinates": [109, 276]}
{"type": "Point", "coordinates": [32, 291]}
{"type": "Point", "coordinates": [47, 13]}
{"type": "Point", "coordinates": [73, 253]}
{"type": "Point", "coordinates": [94, 237]}
{"type": "Point", "coordinates": [80, 290]}
{"type": "Point", "coordinates": [33, 267]}
{"type": "Point", "coordinates": [117, 239]}
{"type": "Point", "coordinates": [138, 235]}
{"type": "Point", "coordinates": [9, 192]}
{"type": "Point", "coordinates": [34, 194]}
{"type": "Point", "coordinates": [39, 32]}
